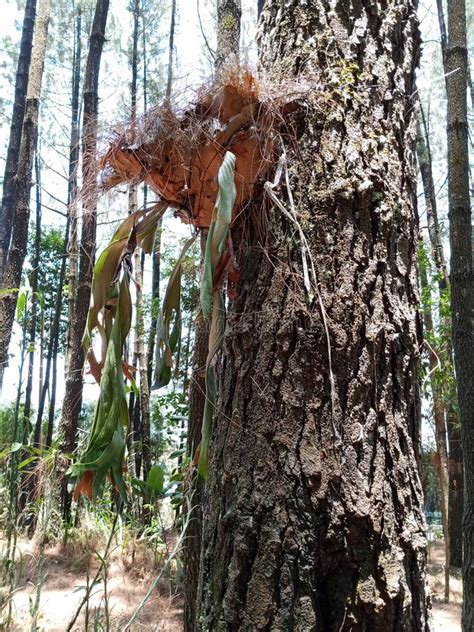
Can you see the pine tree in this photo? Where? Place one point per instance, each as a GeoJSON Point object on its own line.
{"type": "Point", "coordinates": [313, 518]}
{"type": "Point", "coordinates": [20, 201]}
{"type": "Point", "coordinates": [461, 275]}
{"type": "Point", "coordinates": [73, 393]}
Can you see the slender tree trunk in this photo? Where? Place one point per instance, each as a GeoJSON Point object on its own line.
{"type": "Point", "coordinates": [73, 394]}
{"type": "Point", "coordinates": [41, 354]}
{"type": "Point", "coordinates": [456, 477]}
{"type": "Point", "coordinates": [34, 305]}
{"type": "Point", "coordinates": [192, 549]}
{"type": "Point", "coordinates": [20, 207]}
{"type": "Point", "coordinates": [134, 434]}
{"type": "Point", "coordinates": [143, 371]}
{"type": "Point", "coordinates": [461, 275]}
{"type": "Point", "coordinates": [67, 432]}
{"type": "Point", "coordinates": [450, 401]}
{"type": "Point", "coordinates": [72, 182]}
{"type": "Point", "coordinates": [13, 151]}
{"type": "Point", "coordinates": [439, 416]}
{"type": "Point", "coordinates": [313, 516]}
{"type": "Point", "coordinates": [155, 283]}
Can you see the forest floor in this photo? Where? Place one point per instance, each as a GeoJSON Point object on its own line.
{"type": "Point", "coordinates": [131, 571]}
{"type": "Point", "coordinates": [446, 616]}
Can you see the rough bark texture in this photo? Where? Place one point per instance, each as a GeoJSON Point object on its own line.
{"type": "Point", "coordinates": [228, 33]}
{"type": "Point", "coordinates": [73, 394]}
{"type": "Point", "coordinates": [20, 209]}
{"type": "Point", "coordinates": [313, 517]}
{"type": "Point", "coordinates": [461, 275]}
{"type": "Point", "coordinates": [21, 84]}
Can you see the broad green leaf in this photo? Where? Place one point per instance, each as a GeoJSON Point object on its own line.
{"type": "Point", "coordinates": [21, 305]}
{"type": "Point", "coordinates": [156, 479]}
{"type": "Point", "coordinates": [15, 447]}
{"type": "Point", "coordinates": [218, 230]}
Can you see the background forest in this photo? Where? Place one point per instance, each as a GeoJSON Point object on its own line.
{"type": "Point", "coordinates": [90, 540]}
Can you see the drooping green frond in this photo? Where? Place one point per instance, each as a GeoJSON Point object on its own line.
{"type": "Point", "coordinates": [138, 229]}
{"type": "Point", "coordinates": [105, 450]}
{"type": "Point", "coordinates": [169, 323]}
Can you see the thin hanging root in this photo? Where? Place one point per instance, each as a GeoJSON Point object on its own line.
{"type": "Point", "coordinates": [305, 258]}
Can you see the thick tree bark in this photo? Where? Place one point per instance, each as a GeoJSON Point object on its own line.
{"type": "Point", "coordinates": [73, 394]}
{"type": "Point", "coordinates": [13, 151]}
{"type": "Point", "coordinates": [20, 207]}
{"type": "Point", "coordinates": [461, 275]}
{"type": "Point", "coordinates": [450, 400]}
{"type": "Point", "coordinates": [313, 517]}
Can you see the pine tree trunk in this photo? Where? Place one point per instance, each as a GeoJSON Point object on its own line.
{"type": "Point", "coordinates": [456, 476]}
{"type": "Point", "coordinates": [13, 151]}
{"type": "Point", "coordinates": [72, 182]}
{"type": "Point", "coordinates": [439, 416]}
{"type": "Point", "coordinates": [313, 518]}
{"type": "Point", "coordinates": [20, 207]}
{"type": "Point", "coordinates": [461, 276]}
{"type": "Point", "coordinates": [34, 305]}
{"type": "Point", "coordinates": [192, 544]}
{"type": "Point", "coordinates": [450, 402]}
{"type": "Point", "coordinates": [156, 262]}
{"type": "Point", "coordinates": [73, 394]}
{"type": "Point", "coordinates": [67, 433]}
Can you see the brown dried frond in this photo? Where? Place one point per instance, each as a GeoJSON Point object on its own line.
{"type": "Point", "coordinates": [179, 152]}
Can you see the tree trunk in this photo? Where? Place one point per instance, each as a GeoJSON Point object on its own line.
{"type": "Point", "coordinates": [192, 548]}
{"type": "Point", "coordinates": [155, 283]}
{"type": "Point", "coordinates": [227, 57]}
{"type": "Point", "coordinates": [34, 305]}
{"type": "Point", "coordinates": [456, 476]}
{"type": "Point", "coordinates": [229, 13]}
{"type": "Point", "coordinates": [72, 182]}
{"type": "Point", "coordinates": [20, 203]}
{"type": "Point", "coordinates": [13, 151]}
{"type": "Point", "coordinates": [461, 275]}
{"type": "Point", "coordinates": [313, 518]}
{"type": "Point", "coordinates": [439, 416]}
{"type": "Point", "coordinates": [450, 402]}
{"type": "Point", "coordinates": [73, 394]}
{"type": "Point", "coordinates": [143, 372]}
